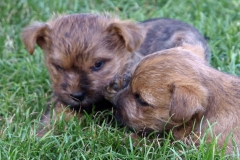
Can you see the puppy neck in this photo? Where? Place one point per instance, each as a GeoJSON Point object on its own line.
{"type": "Point", "coordinates": [135, 59]}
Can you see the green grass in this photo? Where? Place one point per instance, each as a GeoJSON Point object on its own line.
{"type": "Point", "coordinates": [25, 86]}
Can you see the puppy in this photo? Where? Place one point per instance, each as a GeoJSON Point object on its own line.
{"type": "Point", "coordinates": [83, 52]}
{"type": "Point", "coordinates": [177, 90]}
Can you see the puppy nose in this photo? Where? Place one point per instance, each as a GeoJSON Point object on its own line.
{"type": "Point", "coordinates": [78, 96]}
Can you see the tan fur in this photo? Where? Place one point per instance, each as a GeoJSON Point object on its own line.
{"type": "Point", "coordinates": [83, 52]}
{"type": "Point", "coordinates": [174, 90]}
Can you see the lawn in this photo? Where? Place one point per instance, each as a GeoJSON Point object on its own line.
{"type": "Point", "coordinates": [25, 86]}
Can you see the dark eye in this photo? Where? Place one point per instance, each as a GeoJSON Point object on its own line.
{"type": "Point", "coordinates": [140, 100]}
{"type": "Point", "coordinates": [98, 65]}
{"type": "Point", "coordinates": [58, 68]}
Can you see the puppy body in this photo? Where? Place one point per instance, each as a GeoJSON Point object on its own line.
{"type": "Point", "coordinates": [83, 52]}
{"type": "Point", "coordinates": [163, 33]}
{"type": "Point", "coordinates": [176, 90]}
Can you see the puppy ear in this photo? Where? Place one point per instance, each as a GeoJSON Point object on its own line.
{"type": "Point", "coordinates": [188, 101]}
{"type": "Point", "coordinates": [131, 34]}
{"type": "Point", "coordinates": [197, 49]}
{"type": "Point", "coordinates": [36, 33]}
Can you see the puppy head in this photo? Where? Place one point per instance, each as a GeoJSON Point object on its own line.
{"type": "Point", "coordinates": [83, 52]}
{"type": "Point", "coordinates": [166, 91]}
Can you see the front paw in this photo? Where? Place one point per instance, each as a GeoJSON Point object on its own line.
{"type": "Point", "coordinates": [117, 83]}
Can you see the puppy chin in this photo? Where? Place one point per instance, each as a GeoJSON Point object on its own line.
{"type": "Point", "coordinates": [148, 132]}
{"type": "Point", "coordinates": [145, 131]}
{"type": "Point", "coordinates": [84, 105]}
{"type": "Point", "coordinates": [119, 118]}
{"type": "Point", "coordinates": [71, 103]}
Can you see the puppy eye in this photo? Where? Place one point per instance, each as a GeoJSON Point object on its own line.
{"type": "Point", "coordinates": [98, 65]}
{"type": "Point", "coordinates": [140, 100]}
{"type": "Point", "coordinates": [58, 68]}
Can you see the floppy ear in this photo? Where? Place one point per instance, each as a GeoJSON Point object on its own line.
{"type": "Point", "coordinates": [188, 101]}
{"type": "Point", "coordinates": [197, 49]}
{"type": "Point", "coordinates": [36, 33]}
{"type": "Point", "coordinates": [129, 33]}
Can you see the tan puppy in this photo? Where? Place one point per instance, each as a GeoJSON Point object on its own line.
{"type": "Point", "coordinates": [83, 52]}
{"type": "Point", "coordinates": [174, 90]}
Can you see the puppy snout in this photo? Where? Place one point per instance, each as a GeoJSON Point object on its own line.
{"type": "Point", "coordinates": [78, 96]}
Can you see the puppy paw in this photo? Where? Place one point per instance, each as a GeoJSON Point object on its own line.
{"type": "Point", "coordinates": [117, 83]}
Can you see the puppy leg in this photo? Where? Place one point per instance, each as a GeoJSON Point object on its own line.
{"type": "Point", "coordinates": [118, 83]}
{"type": "Point", "coordinates": [45, 124]}
{"type": "Point", "coordinates": [58, 109]}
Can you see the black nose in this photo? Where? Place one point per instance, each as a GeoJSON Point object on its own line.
{"type": "Point", "coordinates": [78, 96]}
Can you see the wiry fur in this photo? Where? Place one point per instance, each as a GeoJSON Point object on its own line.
{"type": "Point", "coordinates": [83, 52]}
{"type": "Point", "coordinates": [175, 90]}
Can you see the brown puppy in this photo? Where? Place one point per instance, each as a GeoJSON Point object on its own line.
{"type": "Point", "coordinates": [83, 52]}
{"type": "Point", "coordinates": [174, 90]}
